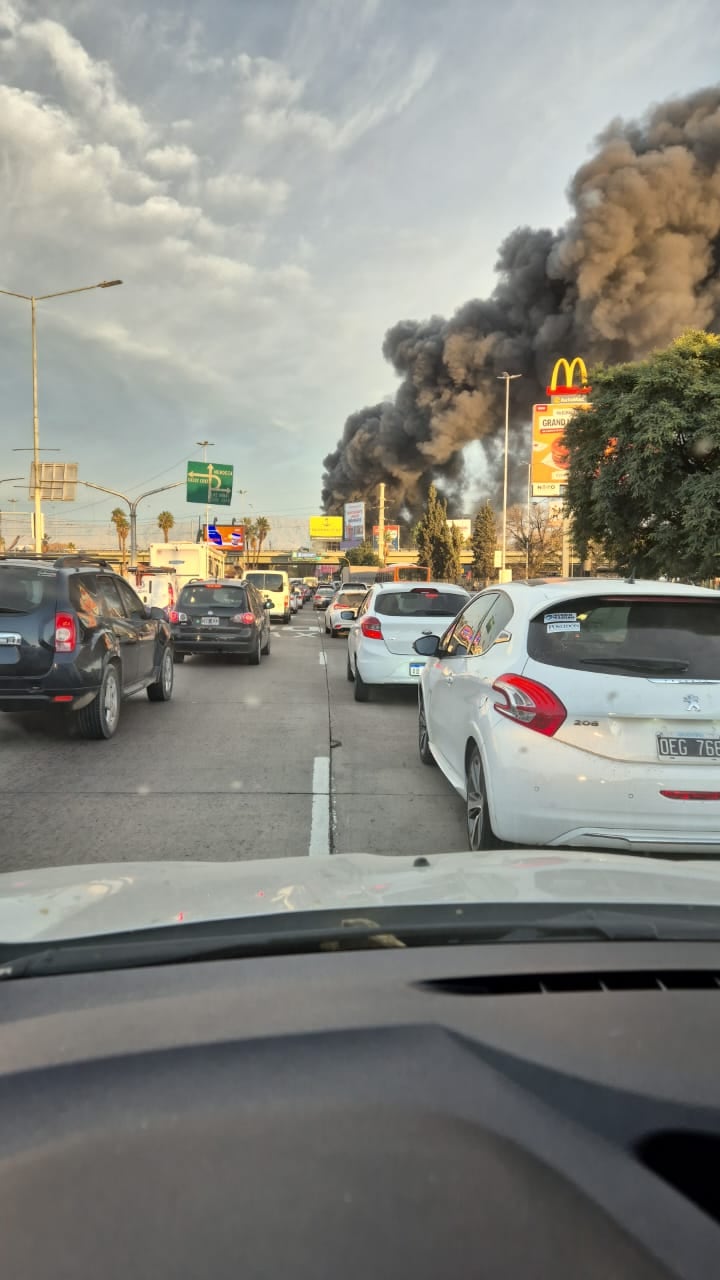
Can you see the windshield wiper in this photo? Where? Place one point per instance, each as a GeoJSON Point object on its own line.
{"type": "Point", "coordinates": [314, 932]}
{"type": "Point", "coordinates": [655, 665]}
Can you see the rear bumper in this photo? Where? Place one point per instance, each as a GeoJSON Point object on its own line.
{"type": "Point", "coordinates": [383, 667]}
{"type": "Point", "coordinates": [72, 700]}
{"type": "Point", "coordinates": [216, 644]}
{"type": "Point", "coordinates": [64, 680]}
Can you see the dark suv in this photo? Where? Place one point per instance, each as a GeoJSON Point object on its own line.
{"type": "Point", "coordinates": [74, 635]}
{"type": "Point", "coordinates": [221, 615]}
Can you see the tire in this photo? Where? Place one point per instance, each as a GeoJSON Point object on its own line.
{"type": "Point", "coordinates": [178, 657]}
{"type": "Point", "coordinates": [362, 690]}
{"type": "Point", "coordinates": [426, 754]}
{"type": "Point", "coordinates": [350, 672]}
{"type": "Point", "coordinates": [480, 834]}
{"type": "Point", "coordinates": [286, 621]}
{"type": "Point", "coordinates": [335, 635]}
{"type": "Point", "coordinates": [265, 651]}
{"type": "Point", "coordinates": [100, 718]}
{"type": "Point", "coordinates": [255, 657]}
{"type": "Point", "coordinates": [162, 690]}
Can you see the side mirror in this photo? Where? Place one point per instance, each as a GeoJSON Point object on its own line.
{"type": "Point", "coordinates": [268, 604]}
{"type": "Point", "coordinates": [159, 614]}
{"type": "Point", "coordinates": [427, 646]}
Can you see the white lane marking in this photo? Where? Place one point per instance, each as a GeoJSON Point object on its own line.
{"type": "Point", "coordinates": [322, 658]}
{"type": "Point", "coordinates": [320, 821]}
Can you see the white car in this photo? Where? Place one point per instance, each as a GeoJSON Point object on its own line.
{"type": "Point", "coordinates": [342, 609]}
{"type": "Point", "coordinates": [581, 714]}
{"type": "Point", "coordinates": [391, 617]}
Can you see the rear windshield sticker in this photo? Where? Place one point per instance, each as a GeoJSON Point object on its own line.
{"type": "Point", "coordinates": [560, 617]}
{"type": "Point", "coordinates": [562, 626]}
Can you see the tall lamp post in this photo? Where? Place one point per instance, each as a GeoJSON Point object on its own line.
{"type": "Point", "coordinates": [507, 378]}
{"type": "Point", "coordinates": [5, 480]}
{"type": "Point", "coordinates": [205, 445]}
{"type": "Point", "coordinates": [33, 299]}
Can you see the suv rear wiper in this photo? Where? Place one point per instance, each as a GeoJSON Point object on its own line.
{"type": "Point", "coordinates": [655, 665]}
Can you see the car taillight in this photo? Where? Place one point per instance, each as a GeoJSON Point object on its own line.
{"type": "Point", "coordinates": [174, 616]}
{"type": "Point", "coordinates": [371, 628]}
{"type": "Point", "coordinates": [530, 703]}
{"type": "Point", "coordinates": [287, 601]}
{"type": "Point", "coordinates": [246, 619]}
{"type": "Point", "coordinates": [65, 633]}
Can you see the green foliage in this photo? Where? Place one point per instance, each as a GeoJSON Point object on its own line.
{"type": "Point", "coordinates": [437, 548]}
{"type": "Point", "coordinates": [364, 554]}
{"type": "Point", "coordinates": [483, 542]}
{"type": "Point", "coordinates": [644, 478]}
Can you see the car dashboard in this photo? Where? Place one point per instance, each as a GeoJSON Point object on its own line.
{"type": "Point", "coordinates": [524, 1110]}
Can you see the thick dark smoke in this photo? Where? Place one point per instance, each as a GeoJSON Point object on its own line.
{"type": "Point", "coordinates": [637, 262]}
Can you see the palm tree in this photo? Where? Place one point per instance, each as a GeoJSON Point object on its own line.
{"type": "Point", "coordinates": [166, 522]}
{"type": "Point", "coordinates": [262, 529]}
{"type": "Point", "coordinates": [122, 528]}
{"type": "Point", "coordinates": [251, 540]}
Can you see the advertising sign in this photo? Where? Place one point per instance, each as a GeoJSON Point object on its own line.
{"type": "Point", "coordinates": [326, 526]}
{"type": "Point", "coordinates": [210, 483]}
{"type": "Point", "coordinates": [226, 535]}
{"type": "Point", "coordinates": [392, 537]}
{"type": "Point", "coordinates": [550, 455]}
{"type": "Point", "coordinates": [573, 389]}
{"type": "Point", "coordinates": [57, 481]}
{"type": "Point", "coordinates": [354, 513]}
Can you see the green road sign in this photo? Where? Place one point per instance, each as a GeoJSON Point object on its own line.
{"type": "Point", "coordinates": [209, 483]}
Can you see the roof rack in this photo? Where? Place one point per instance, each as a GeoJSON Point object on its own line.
{"type": "Point", "coordinates": [77, 561]}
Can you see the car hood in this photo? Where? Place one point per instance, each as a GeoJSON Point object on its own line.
{"type": "Point", "coordinates": [66, 902]}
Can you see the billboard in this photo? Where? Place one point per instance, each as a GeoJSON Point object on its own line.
{"type": "Point", "coordinates": [57, 481]}
{"type": "Point", "coordinates": [326, 526]}
{"type": "Point", "coordinates": [229, 536]}
{"type": "Point", "coordinates": [573, 389]}
{"type": "Point", "coordinates": [210, 483]}
{"type": "Point", "coordinates": [550, 456]}
{"type": "Point", "coordinates": [464, 525]}
{"type": "Point", "coordinates": [392, 537]}
{"type": "Point", "coordinates": [354, 515]}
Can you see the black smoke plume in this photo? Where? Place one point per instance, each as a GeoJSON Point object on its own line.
{"type": "Point", "coordinates": [637, 262]}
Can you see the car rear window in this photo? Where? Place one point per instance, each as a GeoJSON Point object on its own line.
{"type": "Point", "coordinates": [350, 597]}
{"type": "Point", "coordinates": [24, 589]}
{"type": "Point", "coordinates": [266, 581]}
{"type": "Point", "coordinates": [676, 637]}
{"type": "Point", "coordinates": [420, 602]}
{"type": "Point", "coordinates": [209, 597]}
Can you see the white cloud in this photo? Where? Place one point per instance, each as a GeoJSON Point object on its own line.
{"type": "Point", "coordinates": [233, 193]}
{"type": "Point", "coordinates": [268, 82]}
{"type": "Point", "coordinates": [171, 161]}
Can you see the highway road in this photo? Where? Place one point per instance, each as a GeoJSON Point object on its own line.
{"type": "Point", "coordinates": [244, 762]}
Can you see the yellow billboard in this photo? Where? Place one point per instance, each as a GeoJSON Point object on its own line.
{"type": "Point", "coordinates": [326, 526]}
{"type": "Point", "coordinates": [550, 456]}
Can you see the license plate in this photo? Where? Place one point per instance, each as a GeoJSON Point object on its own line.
{"type": "Point", "coordinates": [210, 622]}
{"type": "Point", "coordinates": [686, 748]}
{"type": "Point", "coordinates": [416, 668]}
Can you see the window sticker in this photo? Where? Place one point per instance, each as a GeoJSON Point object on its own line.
{"type": "Point", "coordinates": [560, 617]}
{"type": "Point", "coordinates": [562, 626]}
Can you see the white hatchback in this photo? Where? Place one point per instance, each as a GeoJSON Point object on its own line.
{"type": "Point", "coordinates": [391, 617]}
{"type": "Point", "coordinates": [580, 714]}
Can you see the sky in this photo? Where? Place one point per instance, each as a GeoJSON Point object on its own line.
{"type": "Point", "coordinates": [276, 183]}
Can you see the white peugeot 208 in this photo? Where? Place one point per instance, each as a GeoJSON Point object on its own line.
{"type": "Point", "coordinates": [391, 617]}
{"type": "Point", "coordinates": [581, 713]}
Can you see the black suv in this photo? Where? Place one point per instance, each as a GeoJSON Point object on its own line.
{"type": "Point", "coordinates": [74, 635]}
{"type": "Point", "coordinates": [221, 615]}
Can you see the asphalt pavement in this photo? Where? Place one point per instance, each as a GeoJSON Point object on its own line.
{"type": "Point", "coordinates": [244, 762]}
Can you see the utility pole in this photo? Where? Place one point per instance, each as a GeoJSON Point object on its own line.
{"type": "Point", "coordinates": [204, 445]}
{"type": "Point", "coordinates": [507, 378]}
{"type": "Point", "coordinates": [381, 523]}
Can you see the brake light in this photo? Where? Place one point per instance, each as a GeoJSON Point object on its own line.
{"type": "Point", "coordinates": [65, 633]}
{"type": "Point", "coordinates": [691, 795]}
{"type": "Point", "coordinates": [174, 616]}
{"type": "Point", "coordinates": [246, 619]}
{"type": "Point", "coordinates": [287, 601]}
{"type": "Point", "coordinates": [371, 628]}
{"type": "Point", "coordinates": [529, 703]}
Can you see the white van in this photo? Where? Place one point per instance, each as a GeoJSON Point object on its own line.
{"type": "Point", "coordinates": [157, 588]}
{"type": "Point", "coordinates": [273, 585]}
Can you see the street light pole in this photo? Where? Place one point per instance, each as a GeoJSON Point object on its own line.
{"type": "Point", "coordinates": [6, 480]}
{"type": "Point", "coordinates": [204, 445]}
{"type": "Point", "coordinates": [507, 378]}
{"type": "Point", "coordinates": [33, 300]}
{"type": "Point", "coordinates": [133, 504]}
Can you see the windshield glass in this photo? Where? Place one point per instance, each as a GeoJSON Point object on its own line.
{"type": "Point", "coordinates": [359, 452]}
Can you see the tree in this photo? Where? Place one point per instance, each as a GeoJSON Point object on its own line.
{"type": "Point", "coordinates": [644, 479]}
{"type": "Point", "coordinates": [251, 542]}
{"type": "Point", "coordinates": [166, 522]}
{"type": "Point", "coordinates": [484, 542]}
{"type": "Point", "coordinates": [122, 529]}
{"type": "Point", "coordinates": [364, 554]}
{"type": "Point", "coordinates": [434, 540]}
{"type": "Point", "coordinates": [262, 529]}
{"type": "Point", "coordinates": [540, 538]}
